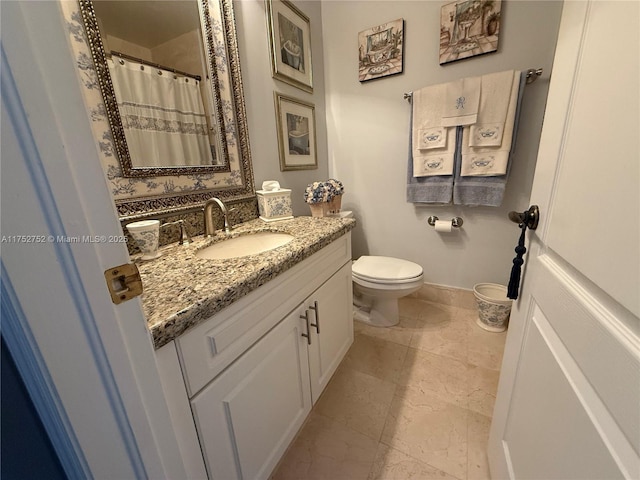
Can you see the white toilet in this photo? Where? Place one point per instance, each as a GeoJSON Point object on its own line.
{"type": "Point", "coordinates": [378, 284]}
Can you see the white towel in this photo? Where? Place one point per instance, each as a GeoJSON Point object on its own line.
{"type": "Point", "coordinates": [492, 113]}
{"type": "Point", "coordinates": [486, 160]}
{"type": "Point", "coordinates": [432, 144]}
{"type": "Point", "coordinates": [462, 100]}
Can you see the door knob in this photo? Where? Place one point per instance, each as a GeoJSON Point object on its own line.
{"type": "Point", "coordinates": [529, 217]}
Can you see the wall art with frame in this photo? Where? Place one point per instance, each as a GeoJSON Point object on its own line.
{"type": "Point", "coordinates": [380, 50]}
{"type": "Point", "coordinates": [289, 44]}
{"type": "Point", "coordinates": [296, 124]}
{"type": "Point", "coordinates": [469, 28]}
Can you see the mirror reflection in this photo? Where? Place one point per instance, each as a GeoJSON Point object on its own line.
{"type": "Point", "coordinates": [166, 101]}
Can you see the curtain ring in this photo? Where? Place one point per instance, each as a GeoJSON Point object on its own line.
{"type": "Point", "coordinates": [141, 67]}
{"type": "Point", "coordinates": [121, 62]}
{"type": "Point", "coordinates": [159, 72]}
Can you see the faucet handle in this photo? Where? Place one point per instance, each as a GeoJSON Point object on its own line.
{"type": "Point", "coordinates": [185, 238]}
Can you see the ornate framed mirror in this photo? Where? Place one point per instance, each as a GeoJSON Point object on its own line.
{"type": "Point", "coordinates": [199, 53]}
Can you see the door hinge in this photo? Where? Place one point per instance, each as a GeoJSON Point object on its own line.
{"type": "Point", "coordinates": [123, 282]}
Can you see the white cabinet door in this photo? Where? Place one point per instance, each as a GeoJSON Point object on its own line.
{"type": "Point", "coordinates": [247, 416]}
{"type": "Point", "coordinates": [330, 308]}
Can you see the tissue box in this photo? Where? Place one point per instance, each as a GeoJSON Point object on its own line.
{"type": "Point", "coordinates": [274, 205]}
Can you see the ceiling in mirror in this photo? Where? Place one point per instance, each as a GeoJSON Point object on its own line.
{"type": "Point", "coordinates": [150, 190]}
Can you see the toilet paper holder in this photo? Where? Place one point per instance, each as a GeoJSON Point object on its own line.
{"type": "Point", "coordinates": [455, 221]}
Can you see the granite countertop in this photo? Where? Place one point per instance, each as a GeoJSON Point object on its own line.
{"type": "Point", "coordinates": [182, 290]}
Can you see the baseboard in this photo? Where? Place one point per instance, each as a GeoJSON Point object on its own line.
{"type": "Point", "coordinates": [457, 297]}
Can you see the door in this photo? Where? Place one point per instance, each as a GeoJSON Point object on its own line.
{"type": "Point", "coordinates": [330, 308]}
{"type": "Point", "coordinates": [569, 393]}
{"type": "Point", "coordinates": [87, 364]}
{"type": "Point", "coordinates": [247, 417]}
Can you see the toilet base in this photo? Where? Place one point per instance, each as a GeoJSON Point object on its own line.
{"type": "Point", "coordinates": [377, 312]}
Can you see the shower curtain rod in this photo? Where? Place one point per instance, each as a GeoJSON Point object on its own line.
{"type": "Point", "coordinates": [532, 76]}
{"type": "Point", "coordinates": [154, 65]}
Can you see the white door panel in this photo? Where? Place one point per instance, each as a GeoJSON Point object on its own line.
{"type": "Point", "coordinates": [544, 407]}
{"type": "Point", "coordinates": [591, 225]}
{"type": "Point", "coordinates": [568, 403]}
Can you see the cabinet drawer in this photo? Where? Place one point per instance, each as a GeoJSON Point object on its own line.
{"type": "Point", "coordinates": [210, 347]}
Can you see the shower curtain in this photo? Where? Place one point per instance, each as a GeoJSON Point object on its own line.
{"type": "Point", "coordinates": [163, 116]}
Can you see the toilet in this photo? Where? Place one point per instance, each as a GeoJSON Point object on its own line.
{"type": "Point", "coordinates": [378, 284]}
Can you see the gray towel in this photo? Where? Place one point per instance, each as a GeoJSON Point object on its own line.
{"type": "Point", "coordinates": [487, 191]}
{"type": "Point", "coordinates": [433, 189]}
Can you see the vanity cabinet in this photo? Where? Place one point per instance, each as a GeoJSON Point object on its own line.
{"type": "Point", "coordinates": [254, 370]}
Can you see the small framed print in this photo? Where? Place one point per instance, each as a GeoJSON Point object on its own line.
{"type": "Point", "coordinates": [296, 123]}
{"type": "Point", "coordinates": [469, 28]}
{"type": "Point", "coordinates": [289, 44]}
{"type": "Point", "coordinates": [380, 50]}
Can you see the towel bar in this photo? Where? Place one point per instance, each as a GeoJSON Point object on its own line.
{"type": "Point", "coordinates": [532, 76]}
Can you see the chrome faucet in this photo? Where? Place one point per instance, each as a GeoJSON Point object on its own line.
{"type": "Point", "coordinates": [209, 226]}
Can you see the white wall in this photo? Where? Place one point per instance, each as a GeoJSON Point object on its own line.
{"type": "Point", "coordinates": [259, 87]}
{"type": "Point", "coordinates": [367, 135]}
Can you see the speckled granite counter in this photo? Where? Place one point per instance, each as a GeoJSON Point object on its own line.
{"type": "Point", "coordinates": [182, 290]}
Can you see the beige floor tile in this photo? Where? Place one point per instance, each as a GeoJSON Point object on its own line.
{"type": "Point", "coordinates": [410, 307]}
{"type": "Point", "coordinates": [379, 358]}
{"type": "Point", "coordinates": [430, 430]}
{"type": "Point", "coordinates": [392, 464]}
{"type": "Point", "coordinates": [400, 333]}
{"type": "Point", "coordinates": [440, 331]}
{"type": "Point", "coordinates": [484, 348]}
{"type": "Point", "coordinates": [324, 449]}
{"type": "Point", "coordinates": [357, 400]}
{"type": "Point", "coordinates": [483, 385]}
{"type": "Point", "coordinates": [478, 438]}
{"type": "Point", "coordinates": [443, 377]}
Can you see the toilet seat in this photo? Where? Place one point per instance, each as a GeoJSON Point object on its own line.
{"type": "Point", "coordinates": [385, 270]}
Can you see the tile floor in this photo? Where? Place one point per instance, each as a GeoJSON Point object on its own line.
{"type": "Point", "coordinates": [410, 402]}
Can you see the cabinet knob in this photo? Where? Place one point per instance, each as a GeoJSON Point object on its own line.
{"type": "Point", "coordinates": [315, 309]}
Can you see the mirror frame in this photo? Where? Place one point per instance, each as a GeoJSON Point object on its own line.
{"type": "Point", "coordinates": [144, 206]}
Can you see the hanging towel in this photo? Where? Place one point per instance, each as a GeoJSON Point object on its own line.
{"type": "Point", "coordinates": [487, 191]}
{"type": "Point", "coordinates": [461, 102]}
{"type": "Point", "coordinates": [432, 144]}
{"type": "Point", "coordinates": [428, 189]}
{"type": "Point", "coordinates": [495, 98]}
{"type": "Point", "coordinates": [492, 160]}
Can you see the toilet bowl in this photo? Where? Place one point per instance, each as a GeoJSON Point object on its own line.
{"type": "Point", "coordinates": [378, 284]}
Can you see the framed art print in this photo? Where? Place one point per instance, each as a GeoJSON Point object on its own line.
{"type": "Point", "coordinates": [296, 124]}
{"type": "Point", "coordinates": [469, 28]}
{"type": "Point", "coordinates": [380, 50]}
{"type": "Point", "coordinates": [289, 44]}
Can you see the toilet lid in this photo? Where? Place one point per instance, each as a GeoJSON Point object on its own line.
{"type": "Point", "coordinates": [385, 268]}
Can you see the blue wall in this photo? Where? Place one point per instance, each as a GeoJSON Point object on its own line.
{"type": "Point", "coordinates": [26, 450]}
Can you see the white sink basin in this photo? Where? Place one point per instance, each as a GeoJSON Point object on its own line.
{"type": "Point", "coordinates": [244, 245]}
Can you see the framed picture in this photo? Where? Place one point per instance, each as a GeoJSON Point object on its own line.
{"type": "Point", "coordinates": [296, 123]}
{"type": "Point", "coordinates": [469, 28]}
{"type": "Point", "coordinates": [289, 44]}
{"type": "Point", "coordinates": [380, 50]}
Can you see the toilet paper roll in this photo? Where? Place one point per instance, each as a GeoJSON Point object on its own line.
{"type": "Point", "coordinates": [443, 225]}
{"type": "Point", "coordinates": [271, 185]}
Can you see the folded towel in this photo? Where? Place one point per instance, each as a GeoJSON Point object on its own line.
{"type": "Point", "coordinates": [499, 91]}
{"type": "Point", "coordinates": [432, 144]}
{"type": "Point", "coordinates": [487, 191]}
{"type": "Point", "coordinates": [428, 189]}
{"type": "Point", "coordinates": [461, 102]}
